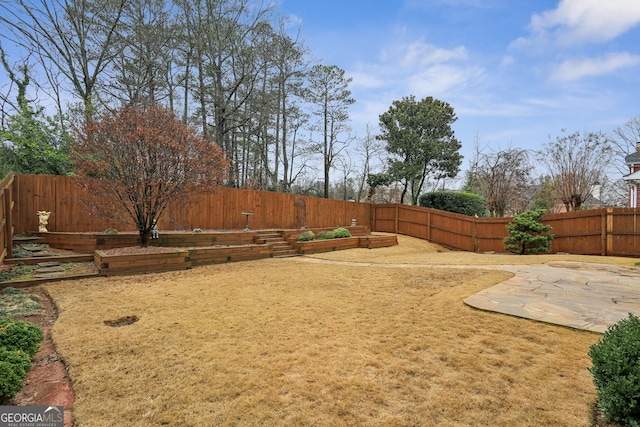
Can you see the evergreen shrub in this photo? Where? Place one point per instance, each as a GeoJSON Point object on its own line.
{"type": "Point", "coordinates": [11, 381]}
{"type": "Point", "coordinates": [307, 236]}
{"type": "Point", "coordinates": [527, 235]}
{"type": "Point", "coordinates": [615, 369]}
{"type": "Point", "coordinates": [20, 335]}
{"type": "Point", "coordinates": [325, 235]}
{"type": "Point", "coordinates": [340, 233]}
{"type": "Point", "coordinates": [455, 201]}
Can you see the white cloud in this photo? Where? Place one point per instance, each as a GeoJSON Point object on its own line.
{"type": "Point", "coordinates": [576, 21]}
{"type": "Point", "coordinates": [507, 61]}
{"type": "Point", "coordinates": [441, 79]}
{"type": "Point", "coordinates": [365, 80]}
{"type": "Point", "coordinates": [416, 68]}
{"type": "Point", "coordinates": [421, 54]}
{"type": "Point", "coordinates": [577, 68]}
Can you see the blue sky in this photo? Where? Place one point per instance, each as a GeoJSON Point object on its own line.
{"type": "Point", "coordinates": [515, 71]}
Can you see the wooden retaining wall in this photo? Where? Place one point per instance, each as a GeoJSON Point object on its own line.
{"type": "Point", "coordinates": [370, 242]}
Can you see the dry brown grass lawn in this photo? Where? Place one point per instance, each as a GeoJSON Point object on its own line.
{"type": "Point", "coordinates": [284, 342]}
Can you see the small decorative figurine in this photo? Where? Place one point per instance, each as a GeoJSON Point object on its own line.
{"type": "Point", "coordinates": [155, 234]}
{"type": "Point", "coordinates": [43, 220]}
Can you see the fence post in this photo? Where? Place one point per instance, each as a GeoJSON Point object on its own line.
{"type": "Point", "coordinates": [396, 221]}
{"type": "Point", "coordinates": [609, 232]}
{"type": "Point", "coordinates": [603, 232]}
{"type": "Point", "coordinates": [475, 234]}
{"type": "Point", "coordinates": [8, 209]}
{"type": "Point", "coordinates": [429, 226]}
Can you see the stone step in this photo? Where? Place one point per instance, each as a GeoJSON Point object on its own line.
{"type": "Point", "coordinates": [52, 269]}
{"type": "Point", "coordinates": [47, 264]}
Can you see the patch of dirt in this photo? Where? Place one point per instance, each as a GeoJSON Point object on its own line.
{"type": "Point", "coordinates": [123, 321]}
{"type": "Point", "coordinates": [48, 383]}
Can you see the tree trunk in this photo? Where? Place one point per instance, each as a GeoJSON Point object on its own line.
{"type": "Point", "coordinates": [145, 235]}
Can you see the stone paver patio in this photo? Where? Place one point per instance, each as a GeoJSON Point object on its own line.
{"type": "Point", "coordinates": [579, 295]}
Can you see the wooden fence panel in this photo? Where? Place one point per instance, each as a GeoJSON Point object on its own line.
{"type": "Point", "coordinates": [490, 234]}
{"type": "Point", "coordinates": [33, 193]}
{"type": "Point", "coordinates": [413, 221]}
{"type": "Point", "coordinates": [623, 232]}
{"type": "Point", "coordinates": [332, 213]}
{"type": "Point", "coordinates": [384, 218]}
{"type": "Point", "coordinates": [453, 230]}
{"type": "Point", "coordinates": [577, 232]}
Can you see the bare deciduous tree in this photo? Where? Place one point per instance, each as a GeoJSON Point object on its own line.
{"type": "Point", "coordinates": [624, 140]}
{"type": "Point", "coordinates": [503, 177]}
{"type": "Point", "coordinates": [75, 37]}
{"type": "Point", "coordinates": [575, 162]}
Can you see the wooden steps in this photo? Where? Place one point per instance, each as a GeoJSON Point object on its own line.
{"type": "Point", "coordinates": [280, 248]}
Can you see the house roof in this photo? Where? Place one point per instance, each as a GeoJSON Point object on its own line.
{"type": "Point", "coordinates": [632, 158]}
{"type": "Point", "coordinates": [632, 176]}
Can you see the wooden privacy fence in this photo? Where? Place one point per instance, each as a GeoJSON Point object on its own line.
{"type": "Point", "coordinates": [606, 231]}
{"type": "Point", "coordinates": [222, 210]}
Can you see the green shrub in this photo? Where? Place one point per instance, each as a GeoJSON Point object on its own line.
{"type": "Point", "coordinates": [454, 201]}
{"type": "Point", "coordinates": [19, 359]}
{"type": "Point", "coordinates": [306, 236]}
{"type": "Point", "coordinates": [11, 380]}
{"type": "Point", "coordinates": [111, 231]}
{"type": "Point", "coordinates": [20, 335]}
{"type": "Point", "coordinates": [340, 233]}
{"type": "Point", "coordinates": [325, 235]}
{"type": "Point", "coordinates": [615, 369]}
{"type": "Point", "coordinates": [527, 235]}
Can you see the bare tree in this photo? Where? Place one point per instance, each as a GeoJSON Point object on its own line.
{"type": "Point", "coordinates": [369, 150]}
{"type": "Point", "coordinates": [624, 140]}
{"type": "Point", "coordinates": [503, 178]}
{"type": "Point", "coordinates": [575, 163]}
{"type": "Point", "coordinates": [75, 37]}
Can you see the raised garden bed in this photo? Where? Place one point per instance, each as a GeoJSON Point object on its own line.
{"type": "Point", "coordinates": [136, 260]}
{"type": "Point", "coordinates": [143, 261]}
{"type": "Point", "coordinates": [318, 246]}
{"type": "Point", "coordinates": [221, 254]}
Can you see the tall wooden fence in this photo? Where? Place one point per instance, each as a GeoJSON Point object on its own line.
{"type": "Point", "coordinates": [222, 210]}
{"type": "Point", "coordinates": [606, 231]}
